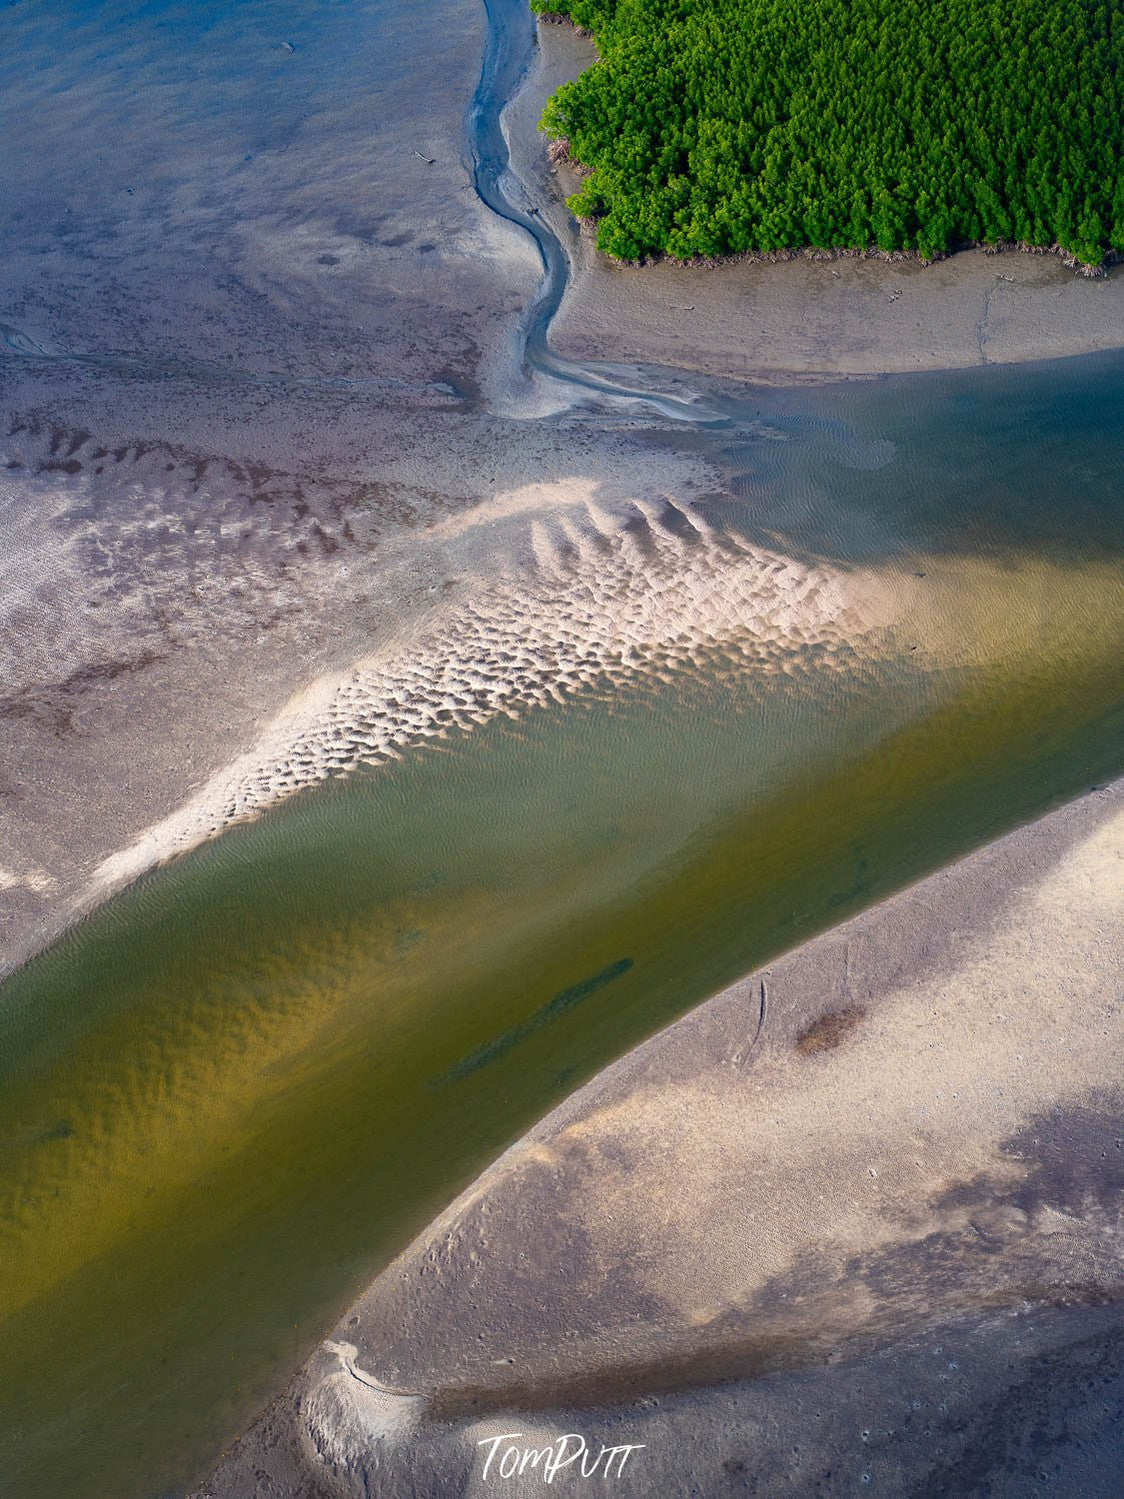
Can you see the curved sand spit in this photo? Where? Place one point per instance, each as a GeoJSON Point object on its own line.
{"type": "Point", "coordinates": [598, 596]}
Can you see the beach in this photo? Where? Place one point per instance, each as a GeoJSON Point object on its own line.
{"type": "Point", "coordinates": [852, 1216]}
{"type": "Point", "coordinates": [408, 687]}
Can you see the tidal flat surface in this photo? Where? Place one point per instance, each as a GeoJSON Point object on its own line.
{"type": "Point", "coordinates": [630, 701]}
{"type": "Point", "coordinates": [236, 1089]}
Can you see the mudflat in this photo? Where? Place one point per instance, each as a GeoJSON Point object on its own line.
{"type": "Point", "coordinates": [285, 498]}
{"type": "Point", "coordinates": [247, 378]}
{"type": "Point", "coordinates": [244, 359]}
{"type": "Point", "coordinates": [811, 316]}
{"type": "Point", "coordinates": [849, 1223]}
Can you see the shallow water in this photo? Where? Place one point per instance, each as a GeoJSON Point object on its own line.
{"type": "Point", "coordinates": [233, 1092]}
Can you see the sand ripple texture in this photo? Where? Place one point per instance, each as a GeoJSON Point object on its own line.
{"type": "Point", "coordinates": [589, 599]}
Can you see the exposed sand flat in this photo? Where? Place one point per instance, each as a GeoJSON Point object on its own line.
{"type": "Point", "coordinates": [870, 1184]}
{"type": "Point", "coordinates": [274, 202]}
{"type": "Point", "coordinates": [245, 400]}
{"type": "Point", "coordinates": [615, 592]}
{"type": "Point", "coordinates": [267, 516]}
{"type": "Point", "coordinates": [844, 317]}
{"type": "Point", "coordinates": [223, 346]}
{"type": "Point", "coordinates": [804, 317]}
{"type": "Point", "coordinates": [607, 590]}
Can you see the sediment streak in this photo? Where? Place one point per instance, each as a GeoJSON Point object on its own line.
{"type": "Point", "coordinates": [593, 600]}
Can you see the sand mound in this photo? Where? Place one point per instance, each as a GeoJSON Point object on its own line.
{"type": "Point", "coordinates": [592, 597]}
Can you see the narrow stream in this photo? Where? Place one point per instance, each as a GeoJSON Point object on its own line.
{"type": "Point", "coordinates": [508, 54]}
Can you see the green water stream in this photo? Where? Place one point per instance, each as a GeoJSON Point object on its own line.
{"type": "Point", "coordinates": [231, 1094]}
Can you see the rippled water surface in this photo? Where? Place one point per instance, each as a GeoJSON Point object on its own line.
{"type": "Point", "coordinates": [230, 1095]}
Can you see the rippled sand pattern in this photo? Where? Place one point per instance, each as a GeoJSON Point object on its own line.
{"type": "Point", "coordinates": [605, 597]}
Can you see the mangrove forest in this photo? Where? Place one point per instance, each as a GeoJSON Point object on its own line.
{"type": "Point", "coordinates": [715, 127]}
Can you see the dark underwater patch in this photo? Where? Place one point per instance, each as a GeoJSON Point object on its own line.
{"type": "Point", "coordinates": [491, 1051]}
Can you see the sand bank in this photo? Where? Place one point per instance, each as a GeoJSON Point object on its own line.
{"type": "Point", "coordinates": [803, 317]}
{"type": "Point", "coordinates": [615, 591]}
{"type": "Point", "coordinates": [251, 378]}
{"type": "Point", "coordinates": [261, 375]}
{"type": "Point", "coordinates": [249, 458]}
{"type": "Point", "coordinates": [868, 1187]}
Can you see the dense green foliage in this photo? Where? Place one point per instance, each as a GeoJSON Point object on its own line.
{"type": "Point", "coordinates": [718, 126]}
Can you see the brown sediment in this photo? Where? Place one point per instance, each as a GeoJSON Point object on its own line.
{"type": "Point", "coordinates": [195, 550]}
{"type": "Point", "coordinates": [692, 1239]}
{"type": "Point", "coordinates": [830, 1030]}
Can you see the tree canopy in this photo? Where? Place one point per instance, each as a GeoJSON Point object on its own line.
{"type": "Point", "coordinates": [712, 127]}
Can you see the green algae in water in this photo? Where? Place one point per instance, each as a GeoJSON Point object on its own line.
{"type": "Point", "coordinates": [229, 1096]}
{"type": "Point", "coordinates": [259, 1052]}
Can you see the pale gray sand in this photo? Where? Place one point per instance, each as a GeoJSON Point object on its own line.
{"type": "Point", "coordinates": [252, 187]}
{"type": "Point", "coordinates": [243, 358]}
{"type": "Point", "coordinates": [804, 318]}
{"type": "Point", "coordinates": [231, 298]}
{"type": "Point", "coordinates": [869, 1188]}
{"type": "Point", "coordinates": [617, 589]}
{"type": "Point", "coordinates": [220, 451]}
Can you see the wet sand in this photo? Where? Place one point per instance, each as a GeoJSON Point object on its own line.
{"type": "Point", "coordinates": [248, 447]}
{"type": "Point", "coordinates": [825, 1227]}
{"type": "Point", "coordinates": [261, 366]}
{"type": "Point", "coordinates": [239, 383]}
{"type": "Point", "coordinates": [803, 318]}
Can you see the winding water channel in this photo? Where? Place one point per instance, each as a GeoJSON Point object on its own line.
{"type": "Point", "coordinates": [234, 1092]}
